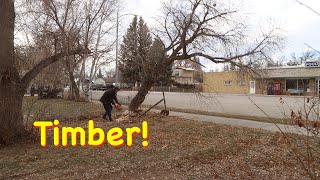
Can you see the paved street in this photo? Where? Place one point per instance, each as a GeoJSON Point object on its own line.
{"type": "Point", "coordinates": [222, 103]}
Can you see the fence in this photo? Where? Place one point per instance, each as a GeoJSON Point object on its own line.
{"type": "Point", "coordinates": [197, 88]}
{"type": "Point", "coordinates": [58, 108]}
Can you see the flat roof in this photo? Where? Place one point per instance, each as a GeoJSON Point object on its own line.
{"type": "Point", "coordinates": [297, 72]}
{"type": "Point", "coordinates": [184, 68]}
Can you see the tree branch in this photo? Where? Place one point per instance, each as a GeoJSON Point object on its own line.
{"type": "Point", "coordinates": [308, 7]}
{"type": "Point", "coordinates": [27, 78]}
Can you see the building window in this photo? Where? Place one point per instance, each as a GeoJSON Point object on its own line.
{"type": "Point", "coordinates": [291, 84]}
{"type": "Point", "coordinates": [304, 84]}
{"type": "Point", "coordinates": [240, 83]}
{"type": "Point", "coordinates": [176, 73]}
{"type": "Point", "coordinates": [227, 83]}
{"type": "Point", "coordinates": [297, 85]}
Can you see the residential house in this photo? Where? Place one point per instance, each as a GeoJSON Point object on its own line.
{"type": "Point", "coordinates": [183, 75]}
{"type": "Point", "coordinates": [187, 72]}
{"type": "Point", "coordinates": [105, 81]}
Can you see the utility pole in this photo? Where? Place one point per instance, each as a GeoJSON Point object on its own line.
{"type": "Point", "coordinates": [117, 41]}
{"type": "Point", "coordinates": [117, 45]}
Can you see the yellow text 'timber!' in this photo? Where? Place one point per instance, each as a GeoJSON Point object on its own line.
{"type": "Point", "coordinates": [94, 137]}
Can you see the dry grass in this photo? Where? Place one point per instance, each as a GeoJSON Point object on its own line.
{"type": "Point", "coordinates": [219, 114]}
{"type": "Point", "coordinates": [179, 149]}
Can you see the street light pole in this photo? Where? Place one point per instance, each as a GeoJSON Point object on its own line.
{"type": "Point", "coordinates": [117, 45]}
{"type": "Point", "coordinates": [117, 39]}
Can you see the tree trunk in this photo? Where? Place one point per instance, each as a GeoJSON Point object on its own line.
{"type": "Point", "coordinates": [11, 119]}
{"type": "Point", "coordinates": [141, 95]}
{"type": "Point", "coordinates": [11, 89]}
{"type": "Point", "coordinates": [75, 88]}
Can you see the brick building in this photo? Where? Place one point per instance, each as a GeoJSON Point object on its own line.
{"type": "Point", "coordinates": [286, 80]}
{"type": "Point", "coordinates": [226, 82]}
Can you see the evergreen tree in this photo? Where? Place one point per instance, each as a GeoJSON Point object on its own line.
{"type": "Point", "coordinates": [144, 43]}
{"type": "Point", "coordinates": [128, 54]}
{"type": "Point", "coordinates": [99, 75]}
{"type": "Point", "coordinates": [140, 56]}
{"type": "Point", "coordinates": [133, 51]}
{"type": "Point", "coordinates": [156, 58]}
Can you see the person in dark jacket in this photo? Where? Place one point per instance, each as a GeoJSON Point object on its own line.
{"type": "Point", "coordinates": [108, 99]}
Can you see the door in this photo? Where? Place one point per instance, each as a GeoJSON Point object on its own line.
{"type": "Point", "coordinates": [252, 87]}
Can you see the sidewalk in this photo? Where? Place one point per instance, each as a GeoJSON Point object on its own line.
{"type": "Point", "coordinates": [242, 123]}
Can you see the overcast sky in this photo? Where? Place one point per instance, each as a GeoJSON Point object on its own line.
{"type": "Point", "coordinates": [300, 24]}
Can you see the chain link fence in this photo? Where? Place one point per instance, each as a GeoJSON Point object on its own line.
{"type": "Point", "coordinates": [176, 89]}
{"type": "Point", "coordinates": [47, 109]}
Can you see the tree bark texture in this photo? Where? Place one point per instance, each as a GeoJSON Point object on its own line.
{"type": "Point", "coordinates": [74, 85]}
{"type": "Point", "coordinates": [141, 95]}
{"type": "Point", "coordinates": [11, 88]}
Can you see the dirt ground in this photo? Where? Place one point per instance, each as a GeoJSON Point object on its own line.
{"type": "Point", "coordinates": [178, 149]}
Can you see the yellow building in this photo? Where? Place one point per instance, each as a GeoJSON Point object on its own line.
{"type": "Point", "coordinates": [286, 80]}
{"type": "Point", "coordinates": [226, 82]}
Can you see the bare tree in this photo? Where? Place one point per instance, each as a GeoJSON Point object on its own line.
{"type": "Point", "coordinates": [99, 22]}
{"type": "Point", "coordinates": [276, 63]}
{"type": "Point", "coordinates": [58, 22]}
{"type": "Point", "coordinates": [212, 30]}
{"type": "Point", "coordinates": [28, 56]}
{"type": "Point", "coordinates": [77, 22]}
{"type": "Point", "coordinates": [307, 55]}
{"type": "Point", "coordinates": [12, 86]}
{"type": "Point", "coordinates": [63, 22]}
